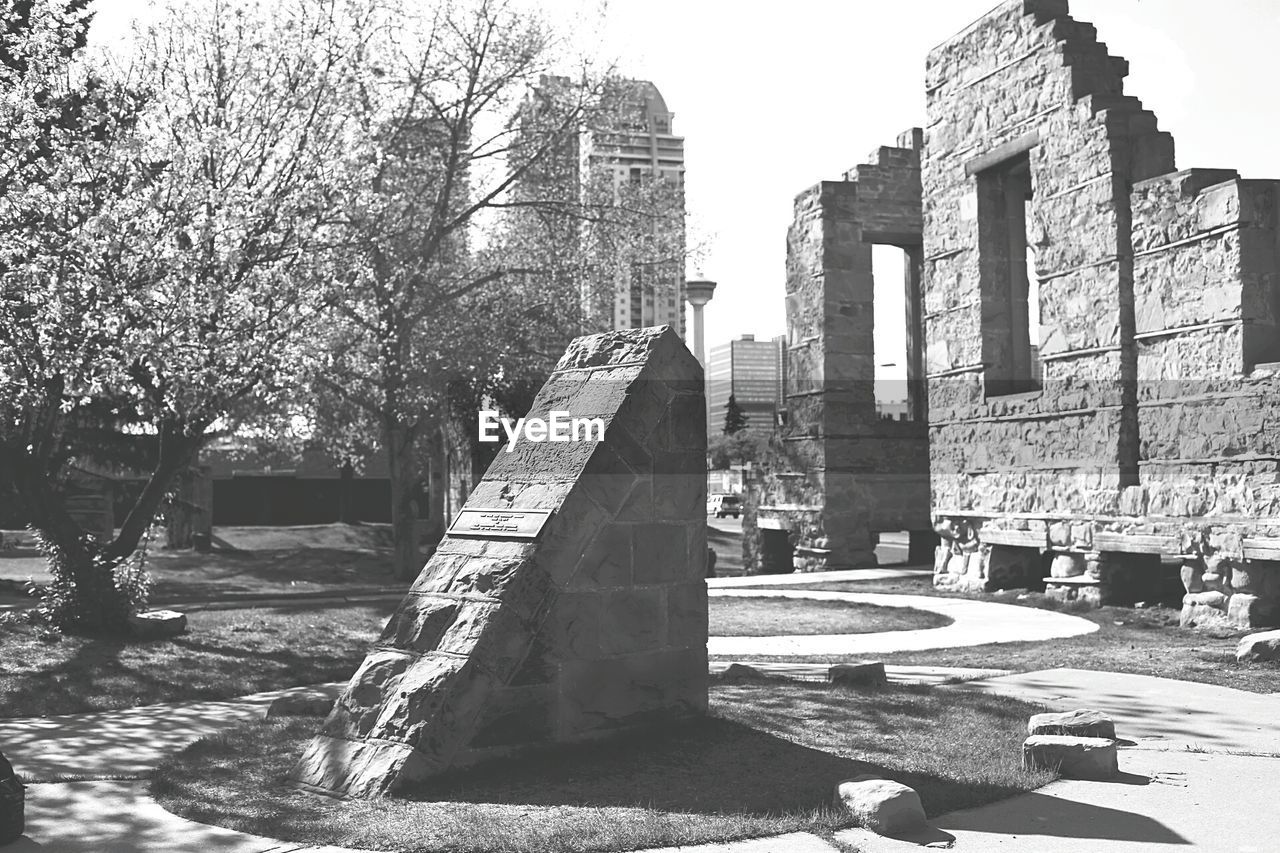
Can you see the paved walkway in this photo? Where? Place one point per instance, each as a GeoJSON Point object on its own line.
{"type": "Point", "coordinates": [126, 743]}
{"type": "Point", "coordinates": [1186, 783]}
{"type": "Point", "coordinates": [119, 817]}
{"type": "Point", "coordinates": [844, 576]}
{"type": "Point", "coordinates": [975, 623]}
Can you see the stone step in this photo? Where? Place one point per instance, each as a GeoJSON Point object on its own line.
{"type": "Point", "coordinates": [1079, 723]}
{"type": "Point", "coordinates": [1091, 758]}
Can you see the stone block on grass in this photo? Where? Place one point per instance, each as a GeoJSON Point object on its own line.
{"type": "Point", "coordinates": [742, 672]}
{"type": "Point", "coordinates": [1264, 645]}
{"type": "Point", "coordinates": [869, 674]}
{"type": "Point", "coordinates": [158, 624]}
{"type": "Point", "coordinates": [881, 805]}
{"type": "Point", "coordinates": [1072, 757]}
{"type": "Point", "coordinates": [1079, 723]}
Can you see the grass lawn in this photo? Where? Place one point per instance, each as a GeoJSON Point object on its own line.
{"type": "Point", "coordinates": [1144, 642]}
{"type": "Point", "coordinates": [249, 560]}
{"type": "Point", "coordinates": [766, 762]}
{"type": "Point", "coordinates": [767, 617]}
{"type": "Point", "coordinates": [226, 653]}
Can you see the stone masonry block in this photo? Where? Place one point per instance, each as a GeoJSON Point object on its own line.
{"type": "Point", "coordinates": [1078, 723]}
{"type": "Point", "coordinates": [1073, 757]}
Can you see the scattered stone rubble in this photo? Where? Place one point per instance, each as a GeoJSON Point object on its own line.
{"type": "Point", "coordinates": [870, 674]}
{"type": "Point", "coordinates": [881, 805]}
{"type": "Point", "coordinates": [157, 624]}
{"type": "Point", "coordinates": [1264, 645]}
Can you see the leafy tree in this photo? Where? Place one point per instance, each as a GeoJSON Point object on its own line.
{"type": "Point", "coordinates": [158, 255]}
{"type": "Point", "coordinates": [735, 420]}
{"type": "Point", "coordinates": [464, 245]}
{"type": "Point", "coordinates": [740, 448]}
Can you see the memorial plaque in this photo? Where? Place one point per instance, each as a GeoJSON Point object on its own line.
{"type": "Point", "coordinates": [487, 522]}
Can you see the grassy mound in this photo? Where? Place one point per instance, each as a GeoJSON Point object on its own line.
{"type": "Point", "coordinates": [765, 762]}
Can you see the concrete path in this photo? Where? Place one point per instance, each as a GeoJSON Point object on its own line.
{"type": "Point", "coordinates": [1201, 775]}
{"type": "Point", "coordinates": [126, 743]}
{"type": "Point", "coordinates": [975, 623]}
{"type": "Point", "coordinates": [120, 817]}
{"type": "Point", "coordinates": [843, 576]}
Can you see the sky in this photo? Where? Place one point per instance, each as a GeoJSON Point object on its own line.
{"type": "Point", "coordinates": [773, 97]}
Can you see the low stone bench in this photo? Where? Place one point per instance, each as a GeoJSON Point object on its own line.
{"type": "Point", "coordinates": [1072, 757]}
{"type": "Point", "coordinates": [1078, 723]}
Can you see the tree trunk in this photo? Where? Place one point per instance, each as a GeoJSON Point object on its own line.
{"type": "Point", "coordinates": [83, 593]}
{"type": "Point", "coordinates": [437, 483]}
{"type": "Point", "coordinates": [346, 494]}
{"type": "Point", "coordinates": [402, 469]}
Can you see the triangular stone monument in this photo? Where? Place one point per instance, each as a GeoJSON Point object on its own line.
{"type": "Point", "coordinates": [568, 600]}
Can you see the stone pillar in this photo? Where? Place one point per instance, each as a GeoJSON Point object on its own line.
{"type": "Point", "coordinates": [842, 472]}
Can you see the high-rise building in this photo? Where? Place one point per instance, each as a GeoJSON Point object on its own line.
{"type": "Point", "coordinates": [748, 370]}
{"type": "Point", "coordinates": [627, 156]}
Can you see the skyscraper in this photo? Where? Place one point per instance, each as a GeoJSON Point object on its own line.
{"type": "Point", "coordinates": [626, 157]}
{"type": "Point", "coordinates": [747, 369]}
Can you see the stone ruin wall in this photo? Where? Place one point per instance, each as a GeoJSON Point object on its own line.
{"type": "Point", "coordinates": [839, 474]}
{"type": "Point", "coordinates": [598, 626]}
{"type": "Point", "coordinates": [1149, 452]}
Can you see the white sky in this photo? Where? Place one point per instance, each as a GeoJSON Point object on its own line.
{"type": "Point", "coordinates": [772, 98]}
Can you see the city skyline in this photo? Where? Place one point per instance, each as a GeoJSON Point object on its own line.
{"type": "Point", "coordinates": [769, 104]}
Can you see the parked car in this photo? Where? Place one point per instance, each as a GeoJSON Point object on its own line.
{"type": "Point", "coordinates": [724, 505]}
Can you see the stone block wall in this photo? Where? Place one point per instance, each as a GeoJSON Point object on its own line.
{"type": "Point", "coordinates": [597, 626]}
{"type": "Point", "coordinates": [838, 473]}
{"type": "Point", "coordinates": [1149, 439]}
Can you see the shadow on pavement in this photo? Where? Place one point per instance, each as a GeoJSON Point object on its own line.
{"type": "Point", "coordinates": [1044, 815]}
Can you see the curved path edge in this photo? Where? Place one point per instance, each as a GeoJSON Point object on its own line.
{"type": "Point", "coordinates": [974, 623]}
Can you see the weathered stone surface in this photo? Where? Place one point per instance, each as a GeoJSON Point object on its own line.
{"type": "Point", "coordinates": [1067, 566]}
{"type": "Point", "coordinates": [842, 472]}
{"type": "Point", "coordinates": [1245, 610]}
{"type": "Point", "coordinates": [870, 674]}
{"type": "Point", "coordinates": [1153, 412]}
{"type": "Point", "coordinates": [1265, 645]}
{"type": "Point", "coordinates": [1078, 723]}
{"type": "Point", "coordinates": [742, 672]}
{"type": "Point", "coordinates": [881, 805]}
{"type": "Point", "coordinates": [597, 626]}
{"type": "Point", "coordinates": [158, 624]}
{"type": "Point", "coordinates": [1073, 757]}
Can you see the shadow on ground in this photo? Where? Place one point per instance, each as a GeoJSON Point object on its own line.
{"type": "Point", "coordinates": [1043, 815]}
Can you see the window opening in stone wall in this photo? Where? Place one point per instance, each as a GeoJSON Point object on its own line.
{"type": "Point", "coordinates": [896, 345]}
{"type": "Point", "coordinates": [1010, 310]}
{"type": "Point", "coordinates": [889, 336]}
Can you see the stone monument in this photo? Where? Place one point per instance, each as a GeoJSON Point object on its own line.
{"type": "Point", "coordinates": [567, 601]}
